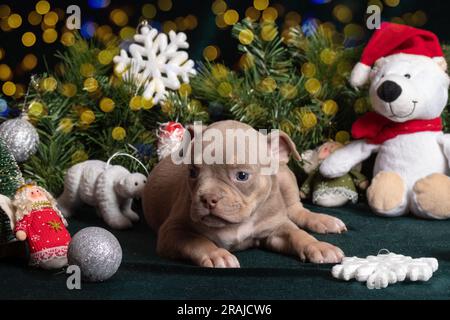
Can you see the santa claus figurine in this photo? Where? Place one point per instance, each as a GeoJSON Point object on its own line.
{"type": "Point", "coordinates": [39, 221]}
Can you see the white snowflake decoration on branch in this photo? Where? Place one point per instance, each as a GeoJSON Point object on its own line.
{"type": "Point", "coordinates": [155, 62]}
{"type": "Point", "coordinates": [384, 269]}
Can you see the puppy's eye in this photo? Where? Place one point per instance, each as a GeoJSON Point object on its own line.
{"type": "Point", "coordinates": [242, 176]}
{"type": "Point", "coordinates": [407, 76]}
{"type": "Point", "coordinates": [193, 172]}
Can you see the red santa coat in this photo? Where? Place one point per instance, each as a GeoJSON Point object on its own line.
{"type": "Point", "coordinates": [47, 236]}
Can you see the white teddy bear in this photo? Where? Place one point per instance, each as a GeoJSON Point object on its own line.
{"type": "Point", "coordinates": [109, 188]}
{"type": "Point", "coordinates": [408, 91]}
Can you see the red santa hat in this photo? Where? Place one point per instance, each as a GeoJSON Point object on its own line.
{"type": "Point", "coordinates": [394, 38]}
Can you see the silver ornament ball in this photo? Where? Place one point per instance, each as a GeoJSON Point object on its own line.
{"type": "Point", "coordinates": [97, 252]}
{"type": "Point", "coordinates": [20, 137]}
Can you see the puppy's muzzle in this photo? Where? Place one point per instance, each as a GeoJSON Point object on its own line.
{"type": "Point", "coordinates": [210, 200]}
{"type": "Point", "coordinates": [389, 91]}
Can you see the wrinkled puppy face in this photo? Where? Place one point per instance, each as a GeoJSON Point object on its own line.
{"type": "Point", "coordinates": [405, 87]}
{"type": "Point", "coordinates": [227, 193]}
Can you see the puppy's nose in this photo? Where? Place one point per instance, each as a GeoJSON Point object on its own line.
{"type": "Point", "coordinates": [389, 91]}
{"type": "Point", "coordinates": [209, 200]}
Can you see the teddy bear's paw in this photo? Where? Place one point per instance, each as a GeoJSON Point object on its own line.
{"type": "Point", "coordinates": [322, 223]}
{"type": "Point", "coordinates": [219, 258]}
{"type": "Point", "coordinates": [321, 252]}
{"type": "Point", "coordinates": [387, 194]}
{"type": "Point", "coordinates": [119, 222]}
{"type": "Point", "coordinates": [432, 196]}
{"type": "Point", "coordinates": [133, 216]}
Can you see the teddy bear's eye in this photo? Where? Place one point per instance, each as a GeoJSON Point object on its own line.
{"type": "Point", "coordinates": [136, 183]}
{"type": "Point", "coordinates": [407, 76]}
{"type": "Point", "coordinates": [382, 75]}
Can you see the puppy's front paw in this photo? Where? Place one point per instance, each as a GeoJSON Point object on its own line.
{"type": "Point", "coordinates": [323, 223]}
{"type": "Point", "coordinates": [321, 252]}
{"type": "Point", "coordinates": [219, 258]}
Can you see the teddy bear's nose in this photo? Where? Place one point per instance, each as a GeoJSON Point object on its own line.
{"type": "Point", "coordinates": [389, 91]}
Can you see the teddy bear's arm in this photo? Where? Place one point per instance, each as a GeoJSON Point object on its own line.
{"type": "Point", "coordinates": [444, 141]}
{"type": "Point", "coordinates": [343, 160]}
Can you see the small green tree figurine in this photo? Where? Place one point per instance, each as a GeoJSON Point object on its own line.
{"type": "Point", "coordinates": [10, 180]}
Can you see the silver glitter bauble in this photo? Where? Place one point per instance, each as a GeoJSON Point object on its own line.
{"type": "Point", "coordinates": [97, 252]}
{"type": "Point", "coordinates": [20, 137]}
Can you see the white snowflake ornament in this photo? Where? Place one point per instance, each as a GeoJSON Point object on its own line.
{"type": "Point", "coordinates": [156, 62]}
{"type": "Point", "coordinates": [384, 269]}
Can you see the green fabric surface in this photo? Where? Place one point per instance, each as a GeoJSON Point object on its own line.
{"type": "Point", "coordinates": [263, 275]}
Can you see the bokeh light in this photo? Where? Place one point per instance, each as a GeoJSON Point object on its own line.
{"type": "Point", "coordinates": [211, 53]}
{"type": "Point", "coordinates": [29, 62]}
{"type": "Point", "coordinates": [342, 13]}
{"type": "Point", "coordinates": [50, 36]}
{"type": "Point", "coordinates": [392, 3]}
{"type": "Point", "coordinates": [165, 5]}
{"type": "Point", "coordinates": [14, 21]}
{"type": "Point", "coordinates": [219, 7]}
{"type": "Point", "coordinates": [231, 17]}
{"type": "Point", "coordinates": [148, 11]}
{"type": "Point", "coordinates": [42, 7]}
{"type": "Point", "coordinates": [28, 39]}
{"type": "Point", "coordinates": [51, 18]}
{"type": "Point", "coordinates": [260, 4]}
{"type": "Point", "coordinates": [5, 72]}
{"type": "Point", "coordinates": [98, 4]}
{"type": "Point", "coordinates": [34, 18]}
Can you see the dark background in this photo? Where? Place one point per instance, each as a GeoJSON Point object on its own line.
{"type": "Point", "coordinates": [205, 33]}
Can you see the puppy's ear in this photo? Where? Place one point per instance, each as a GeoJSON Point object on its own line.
{"type": "Point", "coordinates": [196, 127]}
{"type": "Point", "coordinates": [281, 145]}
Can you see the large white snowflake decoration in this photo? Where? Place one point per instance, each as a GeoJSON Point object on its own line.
{"type": "Point", "coordinates": [155, 62]}
{"type": "Point", "coordinates": [385, 269]}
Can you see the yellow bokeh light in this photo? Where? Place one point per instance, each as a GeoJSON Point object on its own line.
{"type": "Point", "coordinates": [118, 133]}
{"type": "Point", "coordinates": [288, 91]}
{"type": "Point", "coordinates": [5, 72]}
{"type": "Point", "coordinates": [270, 14]}
{"type": "Point", "coordinates": [328, 56]}
{"type": "Point", "coordinates": [127, 33]}
{"type": "Point", "coordinates": [105, 57]}
{"type": "Point", "coordinates": [219, 7]}
{"type": "Point", "coordinates": [49, 84]}
{"type": "Point", "coordinates": [376, 3]}
{"type": "Point", "coordinates": [260, 4]}
{"type": "Point", "coordinates": [42, 7]}
{"type": "Point", "coordinates": [246, 61]}
{"type": "Point", "coordinates": [308, 119]}
{"type": "Point", "coordinates": [343, 13]}
{"type": "Point", "coordinates": [65, 125]}
{"type": "Point", "coordinates": [252, 13]}
{"type": "Point", "coordinates": [5, 11]}
{"type": "Point", "coordinates": [87, 117]}
{"type": "Point", "coordinates": [29, 62]}
{"type": "Point", "coordinates": [165, 5]}
{"type": "Point", "coordinates": [219, 71]}
{"type": "Point", "coordinates": [269, 32]}
{"type": "Point", "coordinates": [293, 18]}
{"type": "Point", "coordinates": [147, 104]}
{"type": "Point", "coordinates": [68, 39]}
{"type": "Point", "coordinates": [69, 90]}
{"type": "Point", "coordinates": [34, 18]}
{"type": "Point", "coordinates": [220, 22]}
{"type": "Point", "coordinates": [330, 107]}
{"type": "Point", "coordinates": [313, 86]}
{"type": "Point", "coordinates": [9, 88]}
{"type": "Point", "coordinates": [28, 39]}
{"type": "Point", "coordinates": [246, 36]}
{"type": "Point", "coordinates": [191, 21]}
{"type": "Point", "coordinates": [35, 109]}
{"type": "Point", "coordinates": [419, 18]}
{"type": "Point", "coordinates": [397, 20]}
{"type": "Point", "coordinates": [168, 26]}
{"type": "Point", "coordinates": [211, 53]}
{"type": "Point", "coordinates": [20, 91]}
{"type": "Point", "coordinates": [135, 103]}
{"type": "Point", "coordinates": [342, 137]}
{"type": "Point", "coordinates": [4, 25]}
{"type": "Point", "coordinates": [119, 17]}
{"type": "Point", "coordinates": [87, 70]}
{"type": "Point", "coordinates": [90, 85]}
{"type": "Point", "coordinates": [231, 17]}
{"type": "Point", "coordinates": [267, 85]}
{"type": "Point", "coordinates": [50, 35]}
{"type": "Point", "coordinates": [308, 69]}
{"type": "Point", "coordinates": [14, 21]}
{"type": "Point", "coordinates": [182, 23]}
{"type": "Point", "coordinates": [149, 11]}
{"type": "Point", "coordinates": [107, 105]}
{"type": "Point", "coordinates": [79, 156]}
{"type": "Point", "coordinates": [225, 89]}
{"type": "Point", "coordinates": [392, 3]}
{"type": "Point", "coordinates": [185, 89]}
{"type": "Point", "coordinates": [51, 18]}
{"type": "Point", "coordinates": [360, 105]}
{"type": "Point", "coordinates": [354, 31]}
